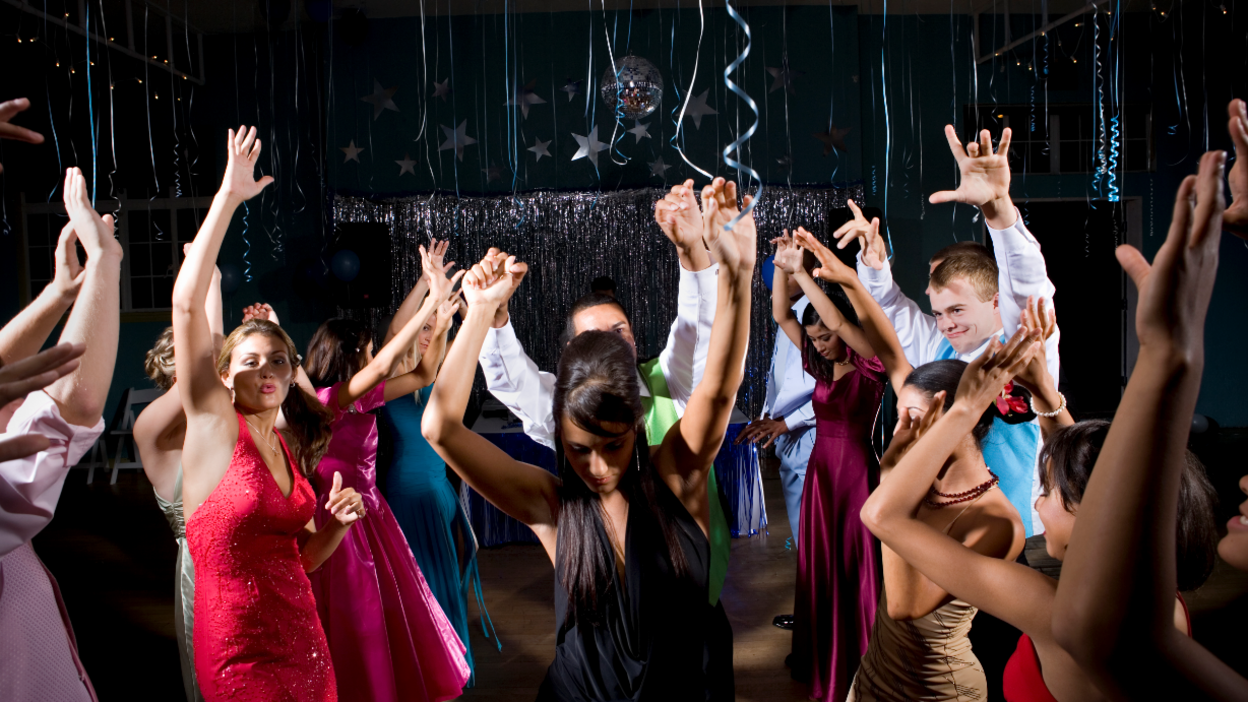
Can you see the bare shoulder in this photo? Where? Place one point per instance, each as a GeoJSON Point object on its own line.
{"type": "Point", "coordinates": [992, 527]}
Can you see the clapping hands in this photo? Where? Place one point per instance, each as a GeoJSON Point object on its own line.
{"type": "Point", "coordinates": [735, 249]}
{"type": "Point", "coordinates": [67, 280]}
{"type": "Point", "coordinates": [95, 232]}
{"type": "Point", "coordinates": [1038, 316]}
{"type": "Point", "coordinates": [491, 282]}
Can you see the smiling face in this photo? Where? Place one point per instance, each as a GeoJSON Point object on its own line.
{"type": "Point", "coordinates": [607, 318]}
{"type": "Point", "coordinates": [260, 372]}
{"type": "Point", "coordinates": [600, 461]}
{"type": "Point", "coordinates": [1058, 523]}
{"type": "Point", "coordinates": [826, 342]}
{"type": "Point", "coordinates": [965, 320]}
{"type": "Point", "coordinates": [1233, 548]}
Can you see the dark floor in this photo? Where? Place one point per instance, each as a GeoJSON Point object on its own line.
{"type": "Point", "coordinates": [114, 555]}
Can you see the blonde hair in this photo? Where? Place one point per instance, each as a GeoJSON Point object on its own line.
{"type": "Point", "coordinates": [309, 421]}
{"type": "Point", "coordinates": [159, 362]}
{"type": "Point", "coordinates": [977, 269]}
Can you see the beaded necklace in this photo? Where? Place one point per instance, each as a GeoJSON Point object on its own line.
{"type": "Point", "coordinates": [960, 497]}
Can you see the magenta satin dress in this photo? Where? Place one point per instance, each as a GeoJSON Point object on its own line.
{"type": "Point", "coordinates": [387, 634]}
{"type": "Point", "coordinates": [837, 570]}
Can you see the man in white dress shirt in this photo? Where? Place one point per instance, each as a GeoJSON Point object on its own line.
{"type": "Point", "coordinates": [964, 320]}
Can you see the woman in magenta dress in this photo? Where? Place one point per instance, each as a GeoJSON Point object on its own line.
{"type": "Point", "coordinates": [837, 580]}
{"type": "Point", "coordinates": [388, 636]}
{"type": "Point", "coordinates": [247, 503]}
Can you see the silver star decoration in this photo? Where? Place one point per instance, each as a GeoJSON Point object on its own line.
{"type": "Point", "coordinates": [659, 168]}
{"type": "Point", "coordinates": [381, 99]}
{"type": "Point", "coordinates": [457, 139]}
{"type": "Point", "coordinates": [525, 97]}
{"type": "Point", "coordinates": [441, 90]}
{"type": "Point", "coordinates": [539, 148]}
{"type": "Point", "coordinates": [492, 173]}
{"type": "Point", "coordinates": [640, 130]}
{"type": "Point", "coordinates": [407, 165]}
{"type": "Point", "coordinates": [352, 152]}
{"type": "Point", "coordinates": [590, 146]}
{"type": "Point", "coordinates": [572, 88]}
{"type": "Point", "coordinates": [697, 109]}
{"type": "Point", "coordinates": [783, 78]}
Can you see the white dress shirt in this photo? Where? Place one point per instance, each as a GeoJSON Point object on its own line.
{"type": "Point", "coordinates": [789, 386]}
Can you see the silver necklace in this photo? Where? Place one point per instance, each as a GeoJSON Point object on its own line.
{"type": "Point", "coordinates": [262, 438]}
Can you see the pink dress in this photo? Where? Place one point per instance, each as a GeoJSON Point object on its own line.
{"type": "Point", "coordinates": [257, 636]}
{"type": "Point", "coordinates": [388, 636]}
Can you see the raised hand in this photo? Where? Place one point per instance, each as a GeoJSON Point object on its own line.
{"type": "Point", "coordinates": [260, 310]}
{"type": "Point", "coordinates": [831, 268]}
{"type": "Point", "coordinates": [433, 258]}
{"type": "Point", "coordinates": [489, 284]}
{"type": "Point", "coordinates": [719, 205]}
{"type": "Point", "coordinates": [440, 287]}
{"type": "Point", "coordinates": [345, 504]}
{"type": "Point", "coordinates": [985, 176]}
{"type": "Point", "coordinates": [1175, 289]}
{"type": "Point", "coordinates": [23, 377]}
{"type": "Point", "coordinates": [910, 429]}
{"type": "Point", "coordinates": [736, 250]}
{"type": "Point", "coordinates": [984, 377]}
{"type": "Point", "coordinates": [9, 110]}
{"type": "Point", "coordinates": [1037, 316]}
{"type": "Point", "coordinates": [240, 170]}
{"type": "Point", "coordinates": [788, 257]}
{"type": "Point", "coordinates": [867, 234]}
{"type": "Point", "coordinates": [95, 232]}
{"type": "Point", "coordinates": [679, 216]}
{"type": "Point", "coordinates": [69, 275]}
{"type": "Point", "coordinates": [1235, 218]}
{"type": "Point", "coordinates": [446, 311]}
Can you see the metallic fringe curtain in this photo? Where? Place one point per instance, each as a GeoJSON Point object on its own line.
{"type": "Point", "coordinates": [570, 238]}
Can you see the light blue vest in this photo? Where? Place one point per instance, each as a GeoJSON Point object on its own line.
{"type": "Point", "coordinates": [1011, 451]}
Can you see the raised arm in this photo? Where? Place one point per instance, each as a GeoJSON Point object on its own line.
{"type": "Point", "coordinates": [1048, 404]}
{"type": "Point", "coordinates": [788, 257]}
{"type": "Point", "coordinates": [9, 110]}
{"type": "Point", "coordinates": [828, 313]}
{"type": "Point", "coordinates": [974, 573]}
{"type": "Point", "coordinates": [26, 333]}
{"type": "Point", "coordinates": [1114, 604]}
{"type": "Point", "coordinates": [96, 317]}
{"type": "Point", "coordinates": [527, 493]}
{"type": "Point", "coordinates": [427, 370]}
{"type": "Point", "coordinates": [875, 325]}
{"type": "Point", "coordinates": [433, 255]}
{"type": "Point", "coordinates": [690, 447]}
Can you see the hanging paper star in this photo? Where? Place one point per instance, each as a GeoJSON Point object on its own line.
{"type": "Point", "coordinates": [457, 139]}
{"type": "Point", "coordinates": [833, 138]}
{"type": "Point", "coordinates": [641, 131]}
{"type": "Point", "coordinates": [783, 78]}
{"type": "Point", "coordinates": [441, 90]}
{"type": "Point", "coordinates": [381, 99]}
{"type": "Point", "coordinates": [590, 146]}
{"type": "Point", "coordinates": [698, 109]}
{"type": "Point", "coordinates": [407, 165]}
{"type": "Point", "coordinates": [353, 153]}
{"type": "Point", "coordinates": [525, 97]}
{"type": "Point", "coordinates": [572, 88]}
{"type": "Point", "coordinates": [539, 148]}
{"type": "Point", "coordinates": [492, 173]}
{"type": "Point", "coordinates": [659, 168]}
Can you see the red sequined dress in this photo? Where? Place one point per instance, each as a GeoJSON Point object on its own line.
{"type": "Point", "coordinates": [257, 635]}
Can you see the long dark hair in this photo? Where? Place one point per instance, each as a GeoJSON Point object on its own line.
{"type": "Point", "coordinates": [597, 384]}
{"type": "Point", "coordinates": [945, 375]}
{"type": "Point", "coordinates": [1066, 463]}
{"type": "Point", "coordinates": [308, 421]}
{"type": "Point", "coordinates": [820, 367]}
{"type": "Point", "coordinates": [335, 351]}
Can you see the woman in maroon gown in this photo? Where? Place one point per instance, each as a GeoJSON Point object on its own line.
{"type": "Point", "coordinates": [837, 575]}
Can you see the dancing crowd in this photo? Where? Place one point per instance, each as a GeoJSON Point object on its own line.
{"type": "Point", "coordinates": [297, 580]}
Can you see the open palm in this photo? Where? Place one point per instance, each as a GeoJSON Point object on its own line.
{"type": "Point", "coordinates": [1235, 219]}
{"type": "Point", "coordinates": [985, 176]}
{"type": "Point", "coordinates": [679, 216]}
{"type": "Point", "coordinates": [240, 170]}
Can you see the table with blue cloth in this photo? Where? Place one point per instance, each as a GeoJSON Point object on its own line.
{"type": "Point", "coordinates": [736, 467]}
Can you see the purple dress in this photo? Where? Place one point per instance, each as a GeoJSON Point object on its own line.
{"type": "Point", "coordinates": [838, 583]}
{"type": "Point", "coordinates": [388, 638]}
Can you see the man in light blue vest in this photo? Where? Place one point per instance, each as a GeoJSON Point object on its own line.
{"type": "Point", "coordinates": [974, 298]}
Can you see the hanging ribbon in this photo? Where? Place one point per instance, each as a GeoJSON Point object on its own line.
{"type": "Point", "coordinates": [736, 145]}
{"type": "Point", "coordinates": [680, 121]}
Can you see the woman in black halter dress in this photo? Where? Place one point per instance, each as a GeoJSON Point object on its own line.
{"type": "Point", "coordinates": [624, 526]}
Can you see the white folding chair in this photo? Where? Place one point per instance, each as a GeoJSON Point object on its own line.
{"type": "Point", "coordinates": [123, 433]}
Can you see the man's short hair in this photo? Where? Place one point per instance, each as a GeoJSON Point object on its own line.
{"type": "Point", "coordinates": [594, 299]}
{"type": "Point", "coordinates": [977, 269]}
{"type": "Point", "coordinates": [961, 247]}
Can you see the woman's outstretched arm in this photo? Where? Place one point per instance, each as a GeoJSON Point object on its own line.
{"type": "Point", "coordinates": [875, 325]}
{"type": "Point", "coordinates": [852, 335]}
{"type": "Point", "coordinates": [1114, 604]}
{"type": "Point", "coordinates": [527, 493]}
{"type": "Point", "coordinates": [691, 445]}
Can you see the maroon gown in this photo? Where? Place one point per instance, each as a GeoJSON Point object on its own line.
{"type": "Point", "coordinates": [838, 583]}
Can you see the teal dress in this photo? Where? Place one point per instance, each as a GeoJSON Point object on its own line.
{"type": "Point", "coordinates": [429, 512]}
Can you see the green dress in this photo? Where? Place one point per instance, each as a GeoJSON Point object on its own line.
{"type": "Point", "coordinates": [183, 591]}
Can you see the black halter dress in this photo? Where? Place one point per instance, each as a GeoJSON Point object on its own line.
{"type": "Point", "coordinates": [658, 638]}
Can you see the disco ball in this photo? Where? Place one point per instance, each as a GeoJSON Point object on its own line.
{"type": "Point", "coordinates": [634, 87]}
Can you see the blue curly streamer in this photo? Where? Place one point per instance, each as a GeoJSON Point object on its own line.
{"type": "Point", "coordinates": [736, 145]}
{"type": "Point", "coordinates": [1113, 158]}
{"type": "Point", "coordinates": [247, 243]}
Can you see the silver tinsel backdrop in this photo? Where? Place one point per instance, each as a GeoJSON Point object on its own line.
{"type": "Point", "coordinates": [570, 238]}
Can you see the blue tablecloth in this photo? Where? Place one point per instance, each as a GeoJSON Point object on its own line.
{"type": "Point", "coordinates": [736, 467]}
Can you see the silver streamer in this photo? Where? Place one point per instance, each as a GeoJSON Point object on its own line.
{"type": "Point", "coordinates": [570, 238]}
